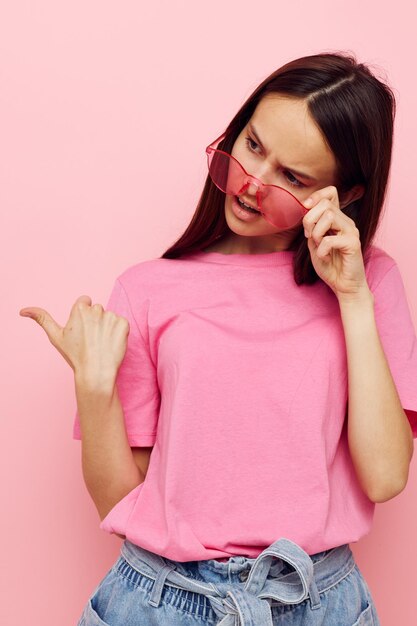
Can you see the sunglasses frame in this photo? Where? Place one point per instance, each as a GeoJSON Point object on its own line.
{"type": "Point", "coordinates": [252, 179]}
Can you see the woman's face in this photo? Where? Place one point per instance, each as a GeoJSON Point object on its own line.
{"type": "Point", "coordinates": [280, 139]}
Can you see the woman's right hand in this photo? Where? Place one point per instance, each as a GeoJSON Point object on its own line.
{"type": "Point", "coordinates": [93, 341]}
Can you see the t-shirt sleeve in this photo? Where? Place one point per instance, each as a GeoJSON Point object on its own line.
{"type": "Point", "coordinates": [136, 378]}
{"type": "Point", "coordinates": [398, 338]}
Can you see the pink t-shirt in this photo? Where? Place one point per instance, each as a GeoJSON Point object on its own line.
{"type": "Point", "coordinates": [238, 378]}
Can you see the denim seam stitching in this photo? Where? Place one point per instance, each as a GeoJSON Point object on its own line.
{"type": "Point", "coordinates": [338, 581]}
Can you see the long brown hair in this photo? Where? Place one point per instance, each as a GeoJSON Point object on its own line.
{"type": "Point", "coordinates": [355, 112]}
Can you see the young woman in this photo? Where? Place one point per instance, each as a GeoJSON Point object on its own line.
{"type": "Point", "coordinates": [248, 397]}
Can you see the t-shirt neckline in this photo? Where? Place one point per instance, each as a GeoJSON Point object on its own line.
{"type": "Point", "coordinates": [265, 259]}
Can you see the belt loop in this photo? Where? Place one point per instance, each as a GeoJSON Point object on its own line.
{"type": "Point", "coordinates": [157, 588]}
{"type": "Point", "coordinates": [315, 601]}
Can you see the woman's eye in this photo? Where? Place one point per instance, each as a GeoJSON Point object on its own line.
{"type": "Point", "coordinates": [290, 178]}
{"type": "Point", "coordinates": [249, 143]}
{"type": "Point", "coordinates": [297, 183]}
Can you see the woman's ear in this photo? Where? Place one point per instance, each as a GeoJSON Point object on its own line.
{"type": "Point", "coordinates": [353, 194]}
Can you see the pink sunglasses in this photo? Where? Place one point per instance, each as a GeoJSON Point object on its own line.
{"type": "Point", "coordinates": [277, 205]}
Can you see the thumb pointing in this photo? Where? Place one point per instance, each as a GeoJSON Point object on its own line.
{"type": "Point", "coordinates": [44, 319]}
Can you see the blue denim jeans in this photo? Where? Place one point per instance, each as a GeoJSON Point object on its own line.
{"type": "Point", "coordinates": [283, 585]}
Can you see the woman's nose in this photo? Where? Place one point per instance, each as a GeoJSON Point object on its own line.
{"type": "Point", "coordinates": [252, 188]}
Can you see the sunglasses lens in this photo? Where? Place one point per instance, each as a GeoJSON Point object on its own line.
{"type": "Point", "coordinates": [281, 208]}
{"type": "Point", "coordinates": [225, 172]}
{"type": "Point", "coordinates": [278, 206]}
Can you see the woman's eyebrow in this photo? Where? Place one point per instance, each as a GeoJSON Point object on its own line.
{"type": "Point", "coordinates": [302, 174]}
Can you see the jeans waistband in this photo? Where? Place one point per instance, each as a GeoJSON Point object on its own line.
{"type": "Point", "coordinates": [249, 604]}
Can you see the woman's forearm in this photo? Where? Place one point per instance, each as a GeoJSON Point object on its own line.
{"type": "Point", "coordinates": [109, 469]}
{"type": "Point", "coordinates": [380, 437]}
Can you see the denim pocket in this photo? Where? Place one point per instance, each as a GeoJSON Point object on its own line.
{"type": "Point", "coordinates": [91, 613]}
{"type": "Point", "coordinates": [365, 618]}
{"type": "Point", "coordinates": [91, 617]}
{"type": "Point", "coordinates": [120, 599]}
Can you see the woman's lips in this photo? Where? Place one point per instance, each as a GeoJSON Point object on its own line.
{"type": "Point", "coordinates": [248, 203]}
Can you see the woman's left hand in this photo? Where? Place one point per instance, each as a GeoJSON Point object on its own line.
{"type": "Point", "coordinates": [334, 244]}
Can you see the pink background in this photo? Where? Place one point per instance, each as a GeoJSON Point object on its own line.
{"type": "Point", "coordinates": [105, 111]}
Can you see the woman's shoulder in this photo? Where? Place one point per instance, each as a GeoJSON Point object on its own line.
{"type": "Point", "coordinates": [148, 273]}
{"type": "Point", "coordinates": [374, 253]}
{"type": "Point", "coordinates": [377, 263]}
{"type": "Point", "coordinates": [384, 277]}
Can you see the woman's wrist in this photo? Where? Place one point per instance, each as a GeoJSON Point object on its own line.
{"type": "Point", "coordinates": [95, 381]}
{"type": "Point", "coordinates": [96, 396]}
